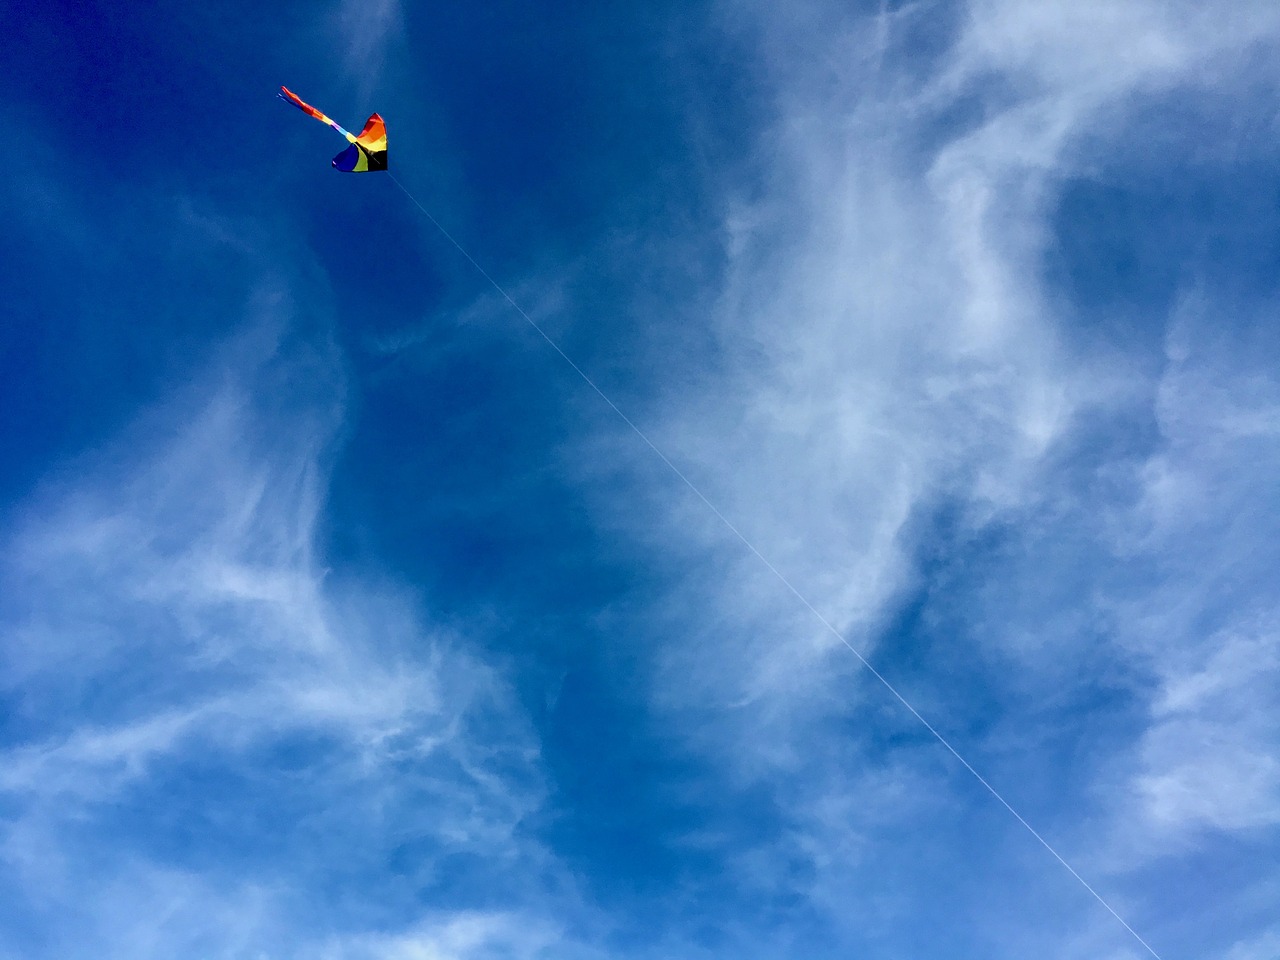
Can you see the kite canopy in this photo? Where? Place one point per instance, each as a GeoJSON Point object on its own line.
{"type": "Point", "coordinates": [368, 151]}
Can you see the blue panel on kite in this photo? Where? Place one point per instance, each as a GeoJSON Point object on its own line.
{"type": "Point", "coordinates": [349, 159]}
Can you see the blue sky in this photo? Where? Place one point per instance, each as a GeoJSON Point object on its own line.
{"type": "Point", "coordinates": [341, 619]}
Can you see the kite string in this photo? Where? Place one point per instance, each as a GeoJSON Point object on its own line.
{"type": "Point", "coordinates": [831, 628]}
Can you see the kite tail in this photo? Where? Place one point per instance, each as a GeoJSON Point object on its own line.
{"type": "Point", "coordinates": [288, 96]}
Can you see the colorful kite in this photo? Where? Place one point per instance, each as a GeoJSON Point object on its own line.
{"type": "Point", "coordinates": [368, 152]}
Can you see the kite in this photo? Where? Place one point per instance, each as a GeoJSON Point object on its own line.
{"type": "Point", "coordinates": [368, 152]}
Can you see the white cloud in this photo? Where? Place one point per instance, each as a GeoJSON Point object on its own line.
{"type": "Point", "coordinates": [887, 344]}
{"type": "Point", "coordinates": [1266, 947]}
{"type": "Point", "coordinates": [168, 612]}
{"type": "Point", "coordinates": [1208, 759]}
{"type": "Point", "coordinates": [467, 936]}
{"type": "Point", "coordinates": [365, 32]}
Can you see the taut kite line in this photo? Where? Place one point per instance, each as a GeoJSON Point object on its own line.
{"type": "Point", "coordinates": [367, 153]}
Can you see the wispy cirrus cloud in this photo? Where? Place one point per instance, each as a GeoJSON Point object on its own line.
{"type": "Point", "coordinates": [1256, 949]}
{"type": "Point", "coordinates": [211, 732]}
{"type": "Point", "coordinates": [1206, 520]}
{"type": "Point", "coordinates": [468, 936]}
{"type": "Point", "coordinates": [366, 34]}
{"type": "Point", "coordinates": [900, 384]}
